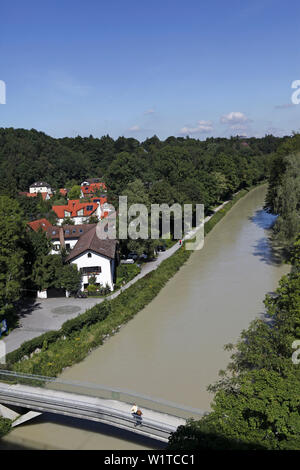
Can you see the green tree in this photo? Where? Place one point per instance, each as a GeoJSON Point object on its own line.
{"type": "Point", "coordinates": [12, 253]}
{"type": "Point", "coordinates": [74, 192]}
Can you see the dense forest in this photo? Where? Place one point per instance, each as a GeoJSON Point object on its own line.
{"type": "Point", "coordinates": [181, 169]}
{"type": "Point", "coordinates": [257, 401]}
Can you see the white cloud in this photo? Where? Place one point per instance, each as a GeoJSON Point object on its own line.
{"type": "Point", "coordinates": [234, 118]}
{"type": "Point", "coordinates": [201, 128]}
{"type": "Point", "coordinates": [134, 128]}
{"type": "Point", "coordinates": [149, 111]}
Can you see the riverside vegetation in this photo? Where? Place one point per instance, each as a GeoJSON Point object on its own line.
{"type": "Point", "coordinates": [257, 401]}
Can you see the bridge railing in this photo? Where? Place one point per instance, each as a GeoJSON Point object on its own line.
{"type": "Point", "coordinates": [95, 390]}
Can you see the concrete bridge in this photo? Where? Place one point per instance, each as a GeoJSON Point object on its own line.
{"type": "Point", "coordinates": [38, 394]}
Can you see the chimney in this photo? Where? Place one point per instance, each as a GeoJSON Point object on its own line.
{"type": "Point", "coordinates": [61, 237]}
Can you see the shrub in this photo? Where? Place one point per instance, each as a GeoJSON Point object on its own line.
{"type": "Point", "coordinates": [5, 425]}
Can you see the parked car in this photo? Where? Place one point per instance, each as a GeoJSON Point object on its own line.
{"type": "Point", "coordinates": [161, 248]}
{"type": "Point", "coordinates": [127, 261]}
{"type": "Point", "coordinates": [132, 255]}
{"type": "Point", "coordinates": [80, 295]}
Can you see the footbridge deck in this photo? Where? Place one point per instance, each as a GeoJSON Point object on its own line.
{"type": "Point", "coordinates": [89, 401]}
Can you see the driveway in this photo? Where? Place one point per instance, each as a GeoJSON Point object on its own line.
{"type": "Point", "coordinates": [43, 315]}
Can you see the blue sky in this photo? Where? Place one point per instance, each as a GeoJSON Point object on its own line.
{"type": "Point", "coordinates": [139, 68]}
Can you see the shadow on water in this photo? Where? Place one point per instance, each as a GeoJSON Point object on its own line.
{"type": "Point", "coordinates": [263, 248]}
{"type": "Point", "coordinates": [263, 219]}
{"type": "Point", "coordinates": [83, 425]}
{"type": "Point", "coordinates": [200, 440]}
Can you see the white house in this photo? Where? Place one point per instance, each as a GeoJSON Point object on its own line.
{"type": "Point", "coordinates": [40, 187]}
{"type": "Point", "coordinates": [66, 236]}
{"type": "Point", "coordinates": [94, 257]}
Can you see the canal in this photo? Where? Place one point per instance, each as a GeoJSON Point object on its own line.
{"type": "Point", "coordinates": [174, 348]}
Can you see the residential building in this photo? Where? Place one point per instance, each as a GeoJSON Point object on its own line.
{"type": "Point", "coordinates": [44, 224]}
{"type": "Point", "coordinates": [92, 186]}
{"type": "Point", "coordinates": [66, 236]}
{"type": "Point", "coordinates": [95, 257]}
{"type": "Point", "coordinates": [40, 187]}
{"type": "Point", "coordinates": [78, 211]}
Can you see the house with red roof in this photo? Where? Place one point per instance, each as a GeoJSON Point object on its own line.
{"type": "Point", "coordinates": [92, 186]}
{"type": "Point", "coordinates": [63, 191]}
{"type": "Point", "coordinates": [44, 224]}
{"type": "Point", "coordinates": [46, 196]}
{"type": "Point", "coordinates": [78, 211]}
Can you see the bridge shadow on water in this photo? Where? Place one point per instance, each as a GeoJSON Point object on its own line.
{"type": "Point", "coordinates": [205, 441]}
{"type": "Point", "coordinates": [86, 426]}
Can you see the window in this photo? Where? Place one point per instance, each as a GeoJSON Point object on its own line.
{"type": "Point", "coordinates": [89, 208]}
{"type": "Point", "coordinates": [67, 232]}
{"type": "Point", "coordinates": [91, 270]}
{"type": "Point", "coordinates": [67, 214]}
{"type": "Point", "coordinates": [80, 230]}
{"type": "Point", "coordinates": [53, 232]}
{"type": "Point", "coordinates": [68, 246]}
{"type": "Point", "coordinates": [89, 255]}
{"type": "Point", "coordinates": [74, 230]}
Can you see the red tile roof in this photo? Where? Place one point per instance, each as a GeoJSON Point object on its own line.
{"type": "Point", "coordinates": [44, 224]}
{"type": "Point", "coordinates": [101, 199]}
{"type": "Point", "coordinates": [63, 191]}
{"type": "Point", "coordinates": [92, 188]}
{"type": "Point", "coordinates": [73, 206]}
{"type": "Point", "coordinates": [44, 194]}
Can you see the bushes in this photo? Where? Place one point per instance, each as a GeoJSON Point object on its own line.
{"type": "Point", "coordinates": [95, 314]}
{"type": "Point", "coordinates": [30, 346]}
{"type": "Point", "coordinates": [5, 425]}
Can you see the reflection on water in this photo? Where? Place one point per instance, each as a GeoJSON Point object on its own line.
{"type": "Point", "coordinates": [174, 348]}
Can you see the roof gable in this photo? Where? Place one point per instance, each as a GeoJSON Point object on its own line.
{"type": "Point", "coordinates": [90, 241]}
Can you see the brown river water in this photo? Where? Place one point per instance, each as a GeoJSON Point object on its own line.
{"type": "Point", "coordinates": [173, 349]}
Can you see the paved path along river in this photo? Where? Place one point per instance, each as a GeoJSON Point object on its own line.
{"type": "Point", "coordinates": [173, 349]}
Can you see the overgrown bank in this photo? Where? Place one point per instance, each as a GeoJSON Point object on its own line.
{"type": "Point", "coordinates": [56, 350]}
